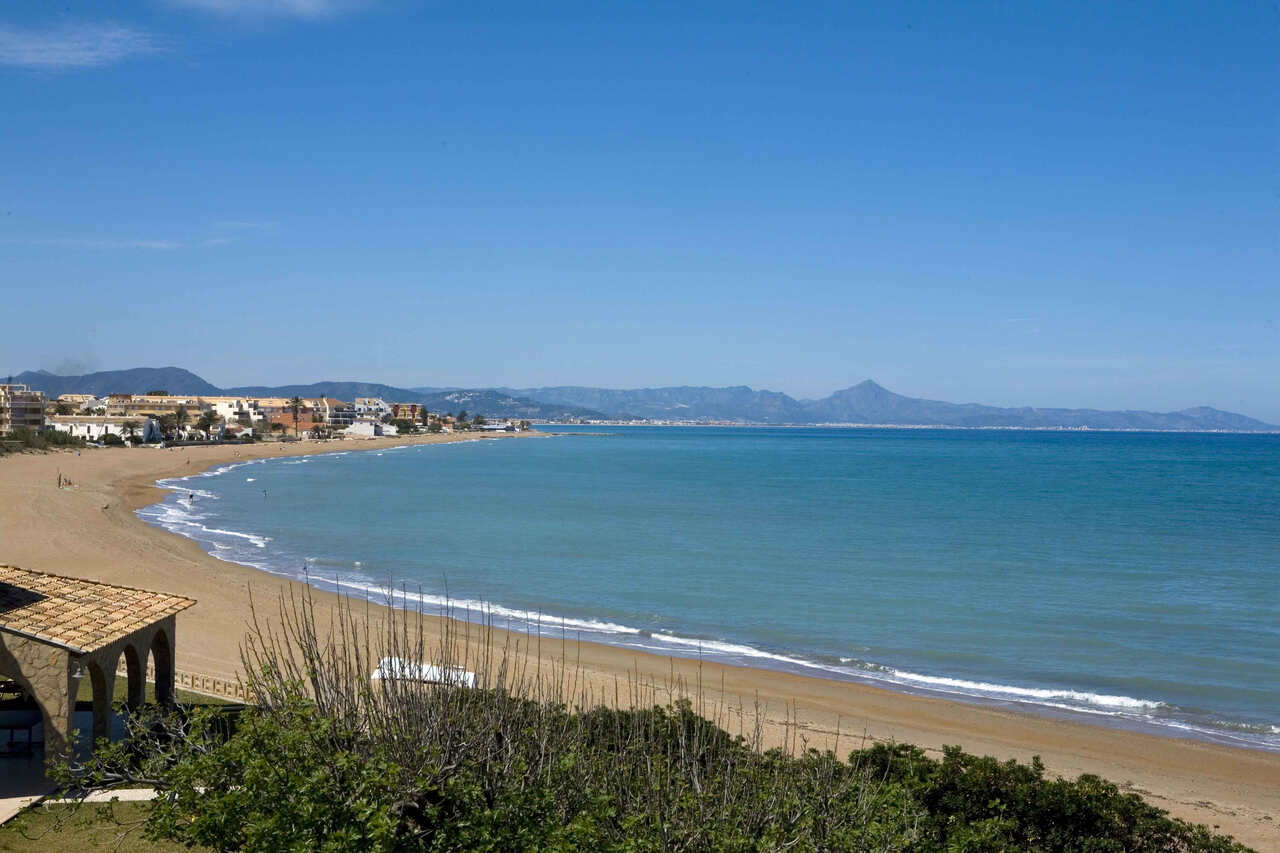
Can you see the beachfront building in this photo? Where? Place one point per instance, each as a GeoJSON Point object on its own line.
{"type": "Point", "coordinates": [94, 427]}
{"type": "Point", "coordinates": [20, 408]}
{"type": "Point", "coordinates": [368, 427]}
{"type": "Point", "coordinates": [372, 406]}
{"type": "Point", "coordinates": [309, 421]}
{"type": "Point", "coordinates": [79, 402]}
{"type": "Point", "coordinates": [335, 413]}
{"type": "Point", "coordinates": [407, 411]}
{"type": "Point", "coordinates": [134, 405]}
{"type": "Point", "coordinates": [269, 408]}
{"type": "Point", "coordinates": [232, 409]}
{"type": "Point", "coordinates": [57, 631]}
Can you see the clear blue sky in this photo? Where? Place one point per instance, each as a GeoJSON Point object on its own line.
{"type": "Point", "coordinates": [1009, 203]}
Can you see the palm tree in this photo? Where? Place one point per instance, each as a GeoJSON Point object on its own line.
{"type": "Point", "coordinates": [130, 429]}
{"type": "Point", "coordinates": [295, 406]}
{"type": "Point", "coordinates": [180, 418]}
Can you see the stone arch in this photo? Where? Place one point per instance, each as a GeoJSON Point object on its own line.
{"type": "Point", "coordinates": [103, 683]}
{"type": "Point", "coordinates": [162, 662]}
{"type": "Point", "coordinates": [136, 673]}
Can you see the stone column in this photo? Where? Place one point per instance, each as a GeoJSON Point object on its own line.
{"type": "Point", "coordinates": [162, 652]}
{"type": "Point", "coordinates": [104, 683]}
{"type": "Point", "coordinates": [44, 670]}
{"type": "Point", "coordinates": [137, 679]}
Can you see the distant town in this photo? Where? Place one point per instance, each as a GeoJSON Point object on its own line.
{"type": "Point", "coordinates": [158, 416]}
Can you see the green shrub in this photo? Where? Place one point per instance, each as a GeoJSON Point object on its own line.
{"type": "Point", "coordinates": [979, 803]}
{"type": "Point", "coordinates": [43, 440]}
{"type": "Point", "coordinates": [332, 760]}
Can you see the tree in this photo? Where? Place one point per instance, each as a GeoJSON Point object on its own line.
{"type": "Point", "coordinates": [130, 429]}
{"type": "Point", "coordinates": [158, 393]}
{"type": "Point", "coordinates": [206, 422]}
{"type": "Point", "coordinates": [479, 420]}
{"type": "Point", "coordinates": [62, 409]}
{"type": "Point", "coordinates": [295, 406]}
{"type": "Point", "coordinates": [181, 417]}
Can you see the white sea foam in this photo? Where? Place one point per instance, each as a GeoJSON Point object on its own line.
{"type": "Point", "coordinates": [248, 479]}
{"type": "Point", "coordinates": [403, 598]}
{"type": "Point", "coordinates": [1063, 699]}
{"type": "Point", "coordinates": [179, 517]}
{"type": "Point", "coordinates": [1042, 695]}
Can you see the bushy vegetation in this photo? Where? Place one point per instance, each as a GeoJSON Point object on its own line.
{"type": "Point", "coordinates": [334, 761]}
{"type": "Point", "coordinates": [34, 440]}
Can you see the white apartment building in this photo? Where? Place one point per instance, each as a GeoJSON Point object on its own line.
{"type": "Point", "coordinates": [375, 406]}
{"type": "Point", "coordinates": [94, 427]}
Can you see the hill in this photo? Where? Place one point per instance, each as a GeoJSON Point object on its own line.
{"type": "Point", "coordinates": [175, 380]}
{"type": "Point", "coordinates": [868, 403]}
{"type": "Point", "coordinates": [737, 403]}
{"type": "Point", "coordinates": [138, 380]}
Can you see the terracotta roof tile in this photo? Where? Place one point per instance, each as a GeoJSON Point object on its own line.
{"type": "Point", "coordinates": [81, 615]}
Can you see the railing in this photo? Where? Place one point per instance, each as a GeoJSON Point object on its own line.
{"type": "Point", "coordinates": [194, 682]}
{"type": "Point", "coordinates": [210, 686]}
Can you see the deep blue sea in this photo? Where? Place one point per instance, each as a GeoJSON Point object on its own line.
{"type": "Point", "coordinates": [1126, 577]}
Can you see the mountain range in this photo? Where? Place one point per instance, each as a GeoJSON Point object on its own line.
{"type": "Point", "coordinates": [864, 403]}
{"type": "Point", "coordinates": [869, 403]}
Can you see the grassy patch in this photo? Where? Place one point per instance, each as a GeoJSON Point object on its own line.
{"type": "Point", "coordinates": [42, 829]}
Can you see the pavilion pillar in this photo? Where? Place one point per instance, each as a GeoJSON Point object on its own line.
{"type": "Point", "coordinates": [136, 692]}
{"type": "Point", "coordinates": [104, 683]}
{"type": "Point", "coordinates": [162, 653]}
{"type": "Point", "coordinates": [54, 686]}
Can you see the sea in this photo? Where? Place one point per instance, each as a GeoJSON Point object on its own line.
{"type": "Point", "coordinates": [1129, 579]}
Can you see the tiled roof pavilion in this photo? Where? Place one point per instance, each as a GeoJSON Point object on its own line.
{"type": "Point", "coordinates": [56, 630]}
{"type": "Point", "coordinates": [82, 616]}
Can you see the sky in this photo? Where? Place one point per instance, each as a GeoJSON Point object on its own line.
{"type": "Point", "coordinates": [1049, 204]}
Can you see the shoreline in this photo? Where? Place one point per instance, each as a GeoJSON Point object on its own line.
{"type": "Point", "coordinates": [1062, 703]}
{"type": "Point", "coordinates": [93, 531]}
{"type": "Point", "coordinates": [916, 427]}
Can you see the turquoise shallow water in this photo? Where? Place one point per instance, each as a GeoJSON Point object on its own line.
{"type": "Point", "coordinates": [1128, 577]}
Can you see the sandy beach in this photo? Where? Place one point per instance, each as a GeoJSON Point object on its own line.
{"type": "Point", "coordinates": [90, 530]}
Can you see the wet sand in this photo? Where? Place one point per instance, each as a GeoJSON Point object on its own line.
{"type": "Point", "coordinates": [90, 530]}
